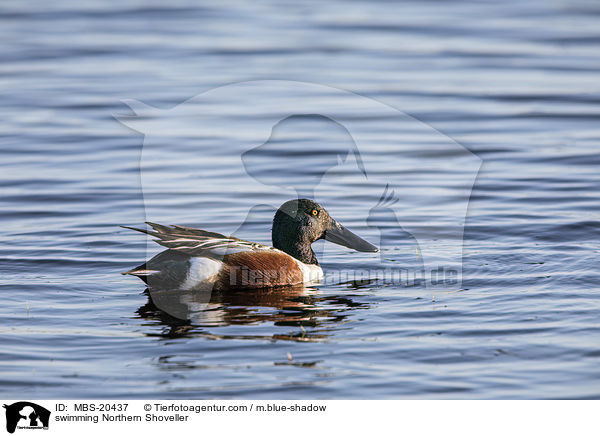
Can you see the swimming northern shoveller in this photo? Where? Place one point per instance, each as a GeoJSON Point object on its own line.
{"type": "Point", "coordinates": [198, 259]}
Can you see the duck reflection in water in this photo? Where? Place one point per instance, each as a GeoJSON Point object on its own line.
{"type": "Point", "coordinates": [311, 315]}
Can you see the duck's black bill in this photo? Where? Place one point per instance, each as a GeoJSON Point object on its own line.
{"type": "Point", "coordinates": [340, 235]}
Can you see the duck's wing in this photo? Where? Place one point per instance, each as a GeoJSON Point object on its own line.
{"type": "Point", "coordinates": [197, 242]}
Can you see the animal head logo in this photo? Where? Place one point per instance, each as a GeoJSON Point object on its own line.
{"type": "Point", "coordinates": [311, 135]}
{"type": "Point", "coordinates": [396, 244]}
{"type": "Point", "coordinates": [24, 414]}
{"type": "Point", "coordinates": [382, 213]}
{"type": "Point", "coordinates": [270, 140]}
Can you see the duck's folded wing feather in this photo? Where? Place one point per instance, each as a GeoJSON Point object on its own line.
{"type": "Point", "coordinates": [197, 242]}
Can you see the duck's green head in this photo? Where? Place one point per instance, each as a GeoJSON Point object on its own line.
{"type": "Point", "coordinates": [299, 223]}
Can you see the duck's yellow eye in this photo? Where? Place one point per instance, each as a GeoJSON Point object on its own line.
{"type": "Point", "coordinates": [315, 212]}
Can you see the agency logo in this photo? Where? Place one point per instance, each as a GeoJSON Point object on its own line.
{"type": "Point", "coordinates": [26, 415]}
{"type": "Point", "coordinates": [404, 185]}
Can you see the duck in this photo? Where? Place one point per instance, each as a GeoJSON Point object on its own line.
{"type": "Point", "coordinates": [197, 259]}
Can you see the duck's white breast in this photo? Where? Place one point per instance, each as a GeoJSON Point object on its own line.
{"type": "Point", "coordinates": [310, 273]}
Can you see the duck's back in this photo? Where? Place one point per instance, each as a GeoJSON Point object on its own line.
{"type": "Point", "coordinates": [197, 259]}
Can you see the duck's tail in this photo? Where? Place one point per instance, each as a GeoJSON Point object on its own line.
{"type": "Point", "coordinates": [141, 272]}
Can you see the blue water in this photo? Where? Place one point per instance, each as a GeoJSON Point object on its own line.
{"type": "Point", "coordinates": [516, 86]}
